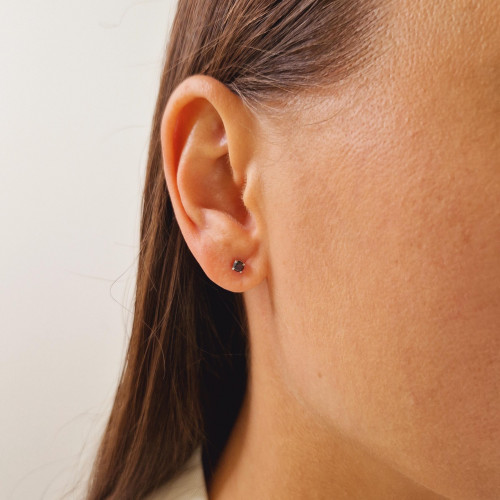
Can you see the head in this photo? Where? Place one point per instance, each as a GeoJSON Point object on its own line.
{"type": "Point", "coordinates": [348, 153]}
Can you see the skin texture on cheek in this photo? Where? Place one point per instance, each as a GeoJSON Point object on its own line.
{"type": "Point", "coordinates": [387, 259]}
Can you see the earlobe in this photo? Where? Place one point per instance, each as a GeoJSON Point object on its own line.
{"type": "Point", "coordinates": [207, 153]}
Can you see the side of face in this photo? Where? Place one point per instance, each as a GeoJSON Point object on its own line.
{"type": "Point", "coordinates": [382, 209]}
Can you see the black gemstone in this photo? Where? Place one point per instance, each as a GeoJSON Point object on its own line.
{"type": "Point", "coordinates": [238, 266]}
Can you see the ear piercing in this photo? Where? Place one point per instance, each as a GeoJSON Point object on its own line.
{"type": "Point", "coordinates": [238, 266]}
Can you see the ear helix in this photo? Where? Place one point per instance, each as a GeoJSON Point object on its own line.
{"type": "Point", "coordinates": [238, 266]}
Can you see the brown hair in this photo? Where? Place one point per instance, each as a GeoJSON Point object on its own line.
{"type": "Point", "coordinates": [186, 368]}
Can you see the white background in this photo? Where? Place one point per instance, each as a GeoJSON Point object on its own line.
{"type": "Point", "coordinates": [78, 83]}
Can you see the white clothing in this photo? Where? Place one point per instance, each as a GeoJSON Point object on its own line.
{"type": "Point", "coordinates": [189, 484]}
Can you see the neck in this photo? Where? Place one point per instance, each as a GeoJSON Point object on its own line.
{"type": "Point", "coordinates": [279, 449]}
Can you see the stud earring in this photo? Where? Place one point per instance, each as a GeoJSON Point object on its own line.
{"type": "Point", "coordinates": [238, 266]}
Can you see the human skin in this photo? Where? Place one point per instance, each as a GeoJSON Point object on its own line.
{"type": "Point", "coordinates": [369, 221]}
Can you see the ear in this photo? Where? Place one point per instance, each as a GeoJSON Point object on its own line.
{"type": "Point", "coordinates": [207, 140]}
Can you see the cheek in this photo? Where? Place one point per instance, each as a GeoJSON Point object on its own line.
{"type": "Point", "coordinates": [386, 277]}
{"type": "Point", "coordinates": [385, 261]}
